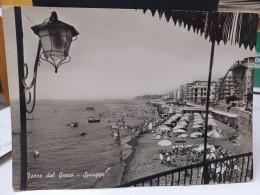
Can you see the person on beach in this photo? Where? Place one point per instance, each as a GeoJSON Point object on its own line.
{"type": "Point", "coordinates": [161, 158]}
{"type": "Point", "coordinates": [173, 158]}
{"type": "Point", "coordinates": [168, 158]}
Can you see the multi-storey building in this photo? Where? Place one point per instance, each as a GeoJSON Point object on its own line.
{"type": "Point", "coordinates": [187, 92]}
{"type": "Point", "coordinates": [226, 87]}
{"type": "Point", "coordinates": [199, 91]}
{"type": "Point", "coordinates": [249, 76]}
{"type": "Point", "coordinates": [182, 92]}
{"type": "Point", "coordinates": [245, 87]}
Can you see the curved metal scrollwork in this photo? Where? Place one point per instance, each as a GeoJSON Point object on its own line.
{"type": "Point", "coordinates": [32, 85]}
{"type": "Point", "coordinates": [53, 63]}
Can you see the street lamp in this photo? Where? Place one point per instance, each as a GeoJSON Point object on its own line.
{"type": "Point", "coordinates": [55, 38]}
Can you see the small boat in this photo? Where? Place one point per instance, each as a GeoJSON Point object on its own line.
{"type": "Point", "coordinates": [115, 135]}
{"type": "Point", "coordinates": [73, 124]}
{"type": "Point", "coordinates": [90, 108]}
{"type": "Point", "coordinates": [93, 120]}
{"type": "Point", "coordinates": [29, 118]}
{"type": "Point", "coordinates": [36, 154]}
{"type": "Point", "coordinates": [83, 133]}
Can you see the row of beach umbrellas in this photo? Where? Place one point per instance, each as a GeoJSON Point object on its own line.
{"type": "Point", "coordinates": [166, 143]}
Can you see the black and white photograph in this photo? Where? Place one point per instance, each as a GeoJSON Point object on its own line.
{"type": "Point", "coordinates": [104, 98]}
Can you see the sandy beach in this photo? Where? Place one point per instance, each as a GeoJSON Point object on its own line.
{"type": "Point", "coordinates": [144, 159]}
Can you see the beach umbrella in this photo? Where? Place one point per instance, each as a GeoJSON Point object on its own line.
{"type": "Point", "coordinates": [173, 118]}
{"type": "Point", "coordinates": [196, 126]}
{"type": "Point", "coordinates": [182, 123]}
{"type": "Point", "coordinates": [212, 124]}
{"type": "Point", "coordinates": [178, 115]}
{"type": "Point", "coordinates": [179, 131]}
{"type": "Point", "coordinates": [164, 128]}
{"type": "Point", "coordinates": [164, 143]}
{"type": "Point", "coordinates": [183, 135]}
{"type": "Point", "coordinates": [198, 118]}
{"type": "Point", "coordinates": [168, 123]}
{"type": "Point", "coordinates": [195, 134]}
{"type": "Point", "coordinates": [184, 119]}
{"type": "Point", "coordinates": [214, 134]}
{"type": "Point", "coordinates": [179, 127]}
{"type": "Point", "coordinates": [197, 122]}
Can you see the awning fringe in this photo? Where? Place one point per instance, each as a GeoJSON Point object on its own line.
{"type": "Point", "coordinates": [233, 27]}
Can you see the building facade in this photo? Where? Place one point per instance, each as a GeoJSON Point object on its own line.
{"type": "Point", "coordinates": [226, 87]}
{"type": "Point", "coordinates": [199, 91]}
{"type": "Point", "coordinates": [247, 83]}
{"type": "Point", "coordinates": [187, 92]}
{"type": "Point", "coordinates": [182, 92]}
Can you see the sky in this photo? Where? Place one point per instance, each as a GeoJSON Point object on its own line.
{"type": "Point", "coordinates": [118, 54]}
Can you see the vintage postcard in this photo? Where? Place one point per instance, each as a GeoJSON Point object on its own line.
{"type": "Point", "coordinates": [106, 98]}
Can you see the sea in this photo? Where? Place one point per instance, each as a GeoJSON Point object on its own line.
{"type": "Point", "coordinates": [68, 160]}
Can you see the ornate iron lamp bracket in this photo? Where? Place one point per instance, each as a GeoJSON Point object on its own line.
{"type": "Point", "coordinates": [32, 84]}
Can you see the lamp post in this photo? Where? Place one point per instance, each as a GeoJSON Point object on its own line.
{"type": "Point", "coordinates": [55, 38]}
{"type": "Point", "coordinates": [205, 167]}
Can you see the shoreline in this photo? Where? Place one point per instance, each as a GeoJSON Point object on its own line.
{"type": "Point", "coordinates": [129, 158]}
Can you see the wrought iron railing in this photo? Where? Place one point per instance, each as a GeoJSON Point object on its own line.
{"type": "Point", "coordinates": [231, 169]}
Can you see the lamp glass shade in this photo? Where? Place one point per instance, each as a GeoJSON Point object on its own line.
{"type": "Point", "coordinates": [55, 37]}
